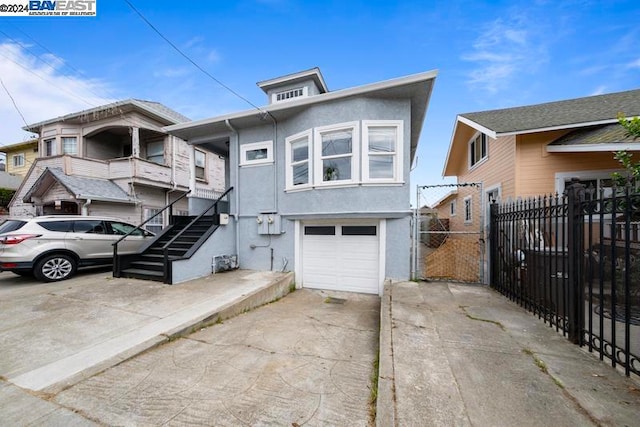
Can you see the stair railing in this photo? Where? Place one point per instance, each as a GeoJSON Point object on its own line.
{"type": "Point", "coordinates": [165, 248]}
{"type": "Point", "coordinates": [116, 261]}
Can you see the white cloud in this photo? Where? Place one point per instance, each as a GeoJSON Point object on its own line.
{"type": "Point", "coordinates": [213, 56]}
{"type": "Point", "coordinates": [634, 64]}
{"type": "Point", "coordinates": [598, 91]}
{"type": "Point", "coordinates": [503, 51]}
{"type": "Point", "coordinates": [40, 90]}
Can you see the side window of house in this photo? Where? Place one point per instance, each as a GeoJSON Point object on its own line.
{"type": "Point", "coordinates": [200, 160]}
{"type": "Point", "coordinates": [452, 208]}
{"type": "Point", "coordinates": [155, 225]}
{"type": "Point", "coordinates": [69, 145]}
{"type": "Point", "coordinates": [477, 149]}
{"type": "Point", "coordinates": [257, 153]}
{"type": "Point", "coordinates": [155, 152]}
{"type": "Point", "coordinates": [383, 150]}
{"type": "Point", "coordinates": [49, 147]}
{"type": "Point", "coordinates": [468, 214]}
{"type": "Point", "coordinates": [18, 160]}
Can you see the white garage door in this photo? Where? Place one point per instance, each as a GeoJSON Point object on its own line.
{"type": "Point", "coordinates": [341, 257]}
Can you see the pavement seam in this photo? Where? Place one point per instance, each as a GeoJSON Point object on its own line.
{"type": "Point", "coordinates": [393, 362]}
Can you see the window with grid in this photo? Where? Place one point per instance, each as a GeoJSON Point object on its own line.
{"type": "Point", "coordinates": [18, 160]}
{"type": "Point", "coordinates": [200, 160]}
{"type": "Point", "coordinates": [69, 145]}
{"type": "Point", "coordinates": [155, 225]}
{"type": "Point", "coordinates": [297, 157]}
{"type": "Point", "coordinates": [336, 154]}
{"type": "Point", "coordinates": [477, 149]}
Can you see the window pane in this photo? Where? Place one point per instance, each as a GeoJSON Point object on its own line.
{"type": "Point", "coordinates": [358, 230]}
{"type": "Point", "coordinates": [11, 225]}
{"type": "Point", "coordinates": [300, 150]}
{"type": "Point", "coordinates": [382, 139]}
{"type": "Point", "coordinates": [121, 228]}
{"type": "Point", "coordinates": [257, 154]}
{"type": "Point", "coordinates": [94, 227]}
{"type": "Point", "coordinates": [381, 166]}
{"type": "Point", "coordinates": [301, 173]}
{"type": "Point", "coordinates": [200, 158]}
{"type": "Point", "coordinates": [320, 231]}
{"type": "Point", "coordinates": [62, 226]}
{"type": "Point", "coordinates": [70, 145]}
{"type": "Point", "coordinates": [336, 143]}
{"type": "Point", "coordinates": [50, 147]}
{"type": "Point", "coordinates": [336, 169]}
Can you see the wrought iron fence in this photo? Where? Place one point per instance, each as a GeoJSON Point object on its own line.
{"type": "Point", "coordinates": [574, 261]}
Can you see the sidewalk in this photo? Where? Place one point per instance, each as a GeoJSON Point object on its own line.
{"type": "Point", "coordinates": [453, 354]}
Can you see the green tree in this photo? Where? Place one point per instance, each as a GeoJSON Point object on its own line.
{"type": "Point", "coordinates": [632, 126]}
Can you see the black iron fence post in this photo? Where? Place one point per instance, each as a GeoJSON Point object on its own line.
{"type": "Point", "coordinates": [575, 287]}
{"type": "Point", "coordinates": [493, 243]}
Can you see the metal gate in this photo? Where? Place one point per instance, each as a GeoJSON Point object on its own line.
{"type": "Point", "coordinates": [449, 230]}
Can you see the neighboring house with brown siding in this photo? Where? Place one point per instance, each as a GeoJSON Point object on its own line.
{"type": "Point", "coordinates": [115, 160]}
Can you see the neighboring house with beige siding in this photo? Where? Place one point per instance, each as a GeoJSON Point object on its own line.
{"type": "Point", "coordinates": [535, 150]}
{"type": "Point", "coordinates": [115, 160]}
{"type": "Point", "coordinates": [20, 156]}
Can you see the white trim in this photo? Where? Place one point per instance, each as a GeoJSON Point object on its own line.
{"type": "Point", "coordinates": [288, 161]}
{"type": "Point", "coordinates": [593, 148]}
{"type": "Point", "coordinates": [558, 127]}
{"type": "Point", "coordinates": [397, 154]}
{"type": "Point", "coordinates": [382, 254]}
{"type": "Point", "coordinates": [453, 207]}
{"type": "Point", "coordinates": [245, 148]}
{"type": "Point", "coordinates": [354, 127]}
{"type": "Point", "coordinates": [297, 253]}
{"type": "Point", "coordinates": [561, 177]}
{"type": "Point", "coordinates": [477, 127]}
{"type": "Point", "coordinates": [18, 156]}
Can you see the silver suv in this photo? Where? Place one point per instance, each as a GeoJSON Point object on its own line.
{"type": "Point", "coordinates": [53, 247]}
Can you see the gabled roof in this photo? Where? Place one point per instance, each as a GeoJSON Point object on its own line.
{"type": "Point", "coordinates": [560, 114]}
{"type": "Point", "coordinates": [19, 145]}
{"type": "Point", "coordinates": [151, 108]}
{"type": "Point", "coordinates": [80, 187]}
{"type": "Point", "coordinates": [417, 88]}
{"type": "Point", "coordinates": [612, 137]}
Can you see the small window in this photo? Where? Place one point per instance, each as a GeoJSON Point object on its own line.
{"type": "Point", "coordinates": [468, 215]}
{"type": "Point", "coordinates": [18, 160]}
{"type": "Point", "coordinates": [49, 147]}
{"type": "Point", "coordinates": [69, 145]}
{"type": "Point", "coordinates": [257, 153]}
{"type": "Point", "coordinates": [382, 151]}
{"type": "Point", "coordinates": [289, 94]}
{"type": "Point", "coordinates": [359, 230]}
{"type": "Point", "coordinates": [452, 208]}
{"type": "Point", "coordinates": [200, 160]}
{"type": "Point", "coordinates": [297, 158]}
{"type": "Point", "coordinates": [320, 231]}
{"type": "Point", "coordinates": [477, 149]}
{"type": "Point", "coordinates": [60, 226]}
{"type": "Point", "coordinates": [155, 225]}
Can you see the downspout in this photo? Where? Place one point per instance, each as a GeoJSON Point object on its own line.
{"type": "Point", "coordinates": [236, 184]}
{"type": "Point", "coordinates": [85, 207]}
{"type": "Point", "coordinates": [167, 199]}
{"type": "Point", "coordinates": [275, 164]}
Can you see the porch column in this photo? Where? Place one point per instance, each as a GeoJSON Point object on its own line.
{"type": "Point", "coordinates": [192, 169]}
{"type": "Point", "coordinates": [135, 142]}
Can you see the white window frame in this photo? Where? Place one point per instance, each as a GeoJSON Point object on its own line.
{"type": "Point", "coordinates": [18, 158]}
{"type": "Point", "coordinates": [355, 154]}
{"type": "Point", "coordinates": [397, 154]}
{"type": "Point", "coordinates": [245, 148]}
{"type": "Point", "coordinates": [290, 163]}
{"type": "Point", "coordinates": [155, 222]}
{"type": "Point", "coordinates": [204, 164]}
{"type": "Point", "coordinates": [62, 141]}
{"type": "Point", "coordinates": [470, 151]}
{"type": "Point", "coordinates": [468, 210]}
{"type": "Point", "coordinates": [453, 206]}
{"type": "Point", "coordinates": [52, 142]}
{"type": "Point", "coordinates": [304, 89]}
{"type": "Point", "coordinates": [562, 177]}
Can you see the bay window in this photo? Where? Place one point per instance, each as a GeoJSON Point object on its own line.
{"type": "Point", "coordinates": [382, 150]}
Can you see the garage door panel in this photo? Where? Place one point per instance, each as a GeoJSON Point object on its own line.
{"type": "Point", "coordinates": [346, 260]}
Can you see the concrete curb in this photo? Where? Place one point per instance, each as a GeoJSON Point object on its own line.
{"type": "Point", "coordinates": [59, 375]}
{"type": "Point", "coordinates": [386, 402]}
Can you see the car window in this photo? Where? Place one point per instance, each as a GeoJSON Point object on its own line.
{"type": "Point", "coordinates": [89, 226]}
{"type": "Point", "coordinates": [62, 226]}
{"type": "Point", "coordinates": [11, 225]}
{"type": "Point", "coordinates": [122, 228]}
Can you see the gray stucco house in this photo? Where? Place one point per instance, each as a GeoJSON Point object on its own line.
{"type": "Point", "coordinates": [320, 181]}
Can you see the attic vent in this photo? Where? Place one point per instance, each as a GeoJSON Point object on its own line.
{"type": "Point", "coordinates": [288, 94]}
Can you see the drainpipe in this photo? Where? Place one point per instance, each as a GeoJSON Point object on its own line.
{"type": "Point", "coordinates": [236, 184]}
{"type": "Point", "coordinates": [173, 176]}
{"type": "Point", "coordinates": [85, 207]}
{"type": "Point", "coordinates": [275, 163]}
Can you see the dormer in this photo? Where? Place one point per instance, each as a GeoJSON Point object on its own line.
{"type": "Point", "coordinates": [294, 86]}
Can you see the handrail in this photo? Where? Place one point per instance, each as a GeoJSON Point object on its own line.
{"type": "Point", "coordinates": [166, 246]}
{"type": "Point", "coordinates": [139, 227]}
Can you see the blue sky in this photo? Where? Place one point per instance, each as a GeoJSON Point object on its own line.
{"type": "Point", "coordinates": [491, 54]}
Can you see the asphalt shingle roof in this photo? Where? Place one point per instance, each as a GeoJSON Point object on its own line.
{"type": "Point", "coordinates": [561, 113]}
{"type": "Point", "coordinates": [89, 188]}
{"type": "Point", "coordinates": [607, 134]}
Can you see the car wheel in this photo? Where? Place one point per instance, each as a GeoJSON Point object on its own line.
{"type": "Point", "coordinates": [55, 267]}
